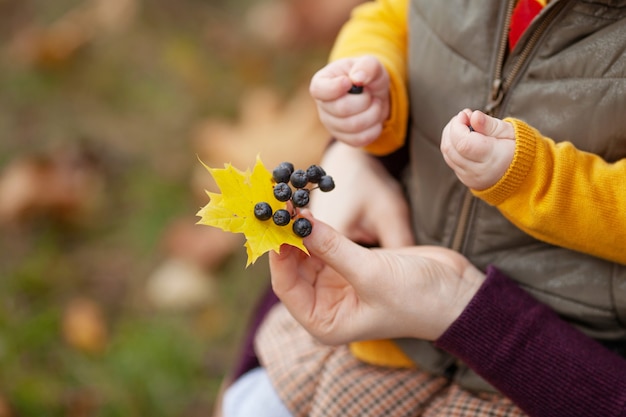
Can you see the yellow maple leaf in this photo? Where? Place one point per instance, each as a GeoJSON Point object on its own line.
{"type": "Point", "coordinates": [233, 210]}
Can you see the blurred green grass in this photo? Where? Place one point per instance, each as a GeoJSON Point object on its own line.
{"type": "Point", "coordinates": [132, 98]}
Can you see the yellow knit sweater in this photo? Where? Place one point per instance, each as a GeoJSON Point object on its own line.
{"type": "Point", "coordinates": [563, 196]}
{"type": "Point", "coordinates": [379, 28]}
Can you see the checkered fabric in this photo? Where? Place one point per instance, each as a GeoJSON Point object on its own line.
{"type": "Point", "coordinates": [316, 380]}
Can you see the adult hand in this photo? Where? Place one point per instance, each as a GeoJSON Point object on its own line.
{"type": "Point", "coordinates": [367, 204]}
{"type": "Point", "coordinates": [479, 157]}
{"type": "Point", "coordinates": [344, 292]}
{"type": "Point", "coordinates": [355, 119]}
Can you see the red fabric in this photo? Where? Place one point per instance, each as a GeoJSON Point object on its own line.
{"type": "Point", "coordinates": [524, 12]}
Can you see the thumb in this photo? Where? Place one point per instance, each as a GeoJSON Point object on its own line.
{"type": "Point", "coordinates": [491, 126]}
{"type": "Point", "coordinates": [365, 70]}
{"type": "Point", "coordinates": [343, 255]}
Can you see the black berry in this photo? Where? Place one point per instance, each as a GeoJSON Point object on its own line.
{"type": "Point", "coordinates": [299, 179]}
{"type": "Point", "coordinates": [282, 172]}
{"type": "Point", "coordinates": [314, 173]}
{"type": "Point", "coordinates": [262, 211]}
{"type": "Point", "coordinates": [302, 227]}
{"type": "Point", "coordinates": [300, 197]}
{"type": "Point", "coordinates": [282, 217]}
{"type": "Point", "coordinates": [355, 89]}
{"type": "Point", "coordinates": [282, 191]}
{"type": "Point", "coordinates": [289, 166]}
{"type": "Point", "coordinates": [326, 183]}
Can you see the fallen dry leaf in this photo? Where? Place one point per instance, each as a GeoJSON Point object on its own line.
{"type": "Point", "coordinates": [5, 408]}
{"type": "Point", "coordinates": [180, 285]}
{"type": "Point", "coordinates": [84, 326]}
{"type": "Point", "coordinates": [278, 130]}
{"type": "Point", "coordinates": [65, 185]}
{"type": "Point", "coordinates": [54, 45]}
{"type": "Point", "coordinates": [294, 23]}
{"type": "Point", "coordinates": [207, 247]}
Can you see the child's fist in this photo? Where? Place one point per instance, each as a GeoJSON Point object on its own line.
{"type": "Point", "coordinates": [355, 119]}
{"type": "Point", "coordinates": [479, 148]}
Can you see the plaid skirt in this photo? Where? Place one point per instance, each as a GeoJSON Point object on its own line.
{"type": "Point", "coordinates": [315, 380]}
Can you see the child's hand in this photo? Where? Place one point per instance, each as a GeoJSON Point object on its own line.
{"type": "Point", "coordinates": [479, 157]}
{"type": "Point", "coordinates": [356, 119]}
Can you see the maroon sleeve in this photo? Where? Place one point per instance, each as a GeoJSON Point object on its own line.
{"type": "Point", "coordinates": [543, 364]}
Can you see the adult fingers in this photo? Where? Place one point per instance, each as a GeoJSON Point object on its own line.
{"type": "Point", "coordinates": [349, 259]}
{"type": "Point", "coordinates": [446, 256]}
{"type": "Point", "coordinates": [293, 276]}
{"type": "Point", "coordinates": [286, 270]}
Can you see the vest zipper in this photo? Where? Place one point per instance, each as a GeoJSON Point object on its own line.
{"type": "Point", "coordinates": [497, 92]}
{"type": "Point", "coordinates": [494, 99]}
{"type": "Point", "coordinates": [499, 87]}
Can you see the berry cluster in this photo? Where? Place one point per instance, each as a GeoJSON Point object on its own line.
{"type": "Point", "coordinates": [290, 185]}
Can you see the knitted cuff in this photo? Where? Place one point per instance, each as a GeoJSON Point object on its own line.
{"type": "Point", "coordinates": [526, 139]}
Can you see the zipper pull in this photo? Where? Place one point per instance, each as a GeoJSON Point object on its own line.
{"type": "Point", "coordinates": [497, 94]}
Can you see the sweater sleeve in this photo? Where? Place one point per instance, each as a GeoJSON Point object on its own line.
{"type": "Point", "coordinates": [544, 365]}
{"type": "Point", "coordinates": [563, 196]}
{"type": "Point", "coordinates": [379, 28]}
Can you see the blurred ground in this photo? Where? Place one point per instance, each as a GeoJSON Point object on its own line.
{"type": "Point", "coordinates": [112, 302]}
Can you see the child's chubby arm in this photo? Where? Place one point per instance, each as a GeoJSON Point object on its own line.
{"type": "Point", "coordinates": [355, 119]}
{"type": "Point", "coordinates": [479, 148]}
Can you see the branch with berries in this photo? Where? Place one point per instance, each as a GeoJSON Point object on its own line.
{"type": "Point", "coordinates": [250, 199]}
{"type": "Point", "coordinates": [291, 186]}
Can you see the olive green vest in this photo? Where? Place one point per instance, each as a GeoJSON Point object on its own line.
{"type": "Point", "coordinates": [571, 85]}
